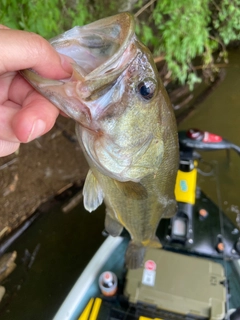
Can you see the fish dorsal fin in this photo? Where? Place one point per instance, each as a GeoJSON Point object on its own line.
{"type": "Point", "coordinates": [92, 193]}
{"type": "Point", "coordinates": [130, 189]}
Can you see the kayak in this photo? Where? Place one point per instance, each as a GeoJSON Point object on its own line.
{"type": "Point", "coordinates": [178, 289]}
{"type": "Point", "coordinates": [195, 275]}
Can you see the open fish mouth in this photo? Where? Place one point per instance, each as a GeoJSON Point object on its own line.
{"type": "Point", "coordinates": [97, 47]}
{"type": "Point", "coordinates": [101, 52]}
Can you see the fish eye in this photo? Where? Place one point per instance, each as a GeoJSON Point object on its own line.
{"type": "Point", "coordinates": [147, 88]}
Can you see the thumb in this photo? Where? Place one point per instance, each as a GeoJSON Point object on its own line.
{"type": "Point", "coordinates": [22, 50]}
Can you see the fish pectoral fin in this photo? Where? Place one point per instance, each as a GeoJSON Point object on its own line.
{"type": "Point", "coordinates": [133, 190]}
{"type": "Point", "coordinates": [92, 193]}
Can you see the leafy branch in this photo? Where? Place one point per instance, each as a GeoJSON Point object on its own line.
{"type": "Point", "coordinates": [183, 30]}
{"type": "Point", "coordinates": [178, 30]}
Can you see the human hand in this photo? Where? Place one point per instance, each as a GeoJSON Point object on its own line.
{"type": "Point", "coordinates": [24, 113]}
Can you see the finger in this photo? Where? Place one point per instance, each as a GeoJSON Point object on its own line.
{"type": "Point", "coordinates": [5, 83]}
{"type": "Point", "coordinates": [7, 113]}
{"type": "Point", "coordinates": [7, 147]}
{"type": "Point", "coordinates": [19, 114]}
{"type": "Point", "coordinates": [3, 27]}
{"type": "Point", "coordinates": [37, 117]}
{"type": "Point", "coordinates": [18, 88]}
{"type": "Point", "coordinates": [22, 50]}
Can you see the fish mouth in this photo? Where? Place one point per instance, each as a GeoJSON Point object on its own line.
{"type": "Point", "coordinates": [101, 51]}
{"type": "Point", "coordinates": [97, 47]}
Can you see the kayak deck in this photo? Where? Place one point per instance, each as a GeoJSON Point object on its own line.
{"type": "Point", "coordinates": [118, 307]}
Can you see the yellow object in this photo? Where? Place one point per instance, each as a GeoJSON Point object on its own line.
{"type": "Point", "coordinates": [185, 188]}
{"type": "Point", "coordinates": [87, 310]}
{"type": "Point", "coordinates": [145, 318]}
{"type": "Point", "coordinates": [91, 310]}
{"type": "Point", "coordinates": [95, 309]}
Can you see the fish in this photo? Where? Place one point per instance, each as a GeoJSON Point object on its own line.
{"type": "Point", "coordinates": [125, 125]}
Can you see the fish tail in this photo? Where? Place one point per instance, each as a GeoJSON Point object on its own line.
{"type": "Point", "coordinates": [135, 253]}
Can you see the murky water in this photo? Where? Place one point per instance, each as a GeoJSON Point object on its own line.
{"type": "Point", "coordinates": [220, 114]}
{"type": "Point", "coordinates": [64, 243]}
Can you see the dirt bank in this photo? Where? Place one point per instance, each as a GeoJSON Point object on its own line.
{"type": "Point", "coordinates": [37, 172]}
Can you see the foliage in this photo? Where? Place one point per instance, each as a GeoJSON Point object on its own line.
{"type": "Point", "coordinates": [183, 30]}
{"type": "Point", "coordinates": [179, 30]}
{"type": "Point", "coordinates": [47, 18]}
{"type": "Point", "coordinates": [227, 21]}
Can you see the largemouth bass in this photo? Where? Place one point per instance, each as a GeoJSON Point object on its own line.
{"type": "Point", "coordinates": [125, 126]}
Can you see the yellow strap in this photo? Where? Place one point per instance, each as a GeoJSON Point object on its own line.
{"type": "Point", "coordinates": [87, 310]}
{"type": "Point", "coordinates": [92, 309]}
{"type": "Point", "coordinates": [95, 309]}
{"type": "Point", "coordinates": [145, 318]}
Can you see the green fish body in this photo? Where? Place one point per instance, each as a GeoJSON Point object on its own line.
{"type": "Point", "coordinates": [125, 126]}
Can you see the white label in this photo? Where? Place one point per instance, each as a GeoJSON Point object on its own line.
{"type": "Point", "coordinates": [149, 277]}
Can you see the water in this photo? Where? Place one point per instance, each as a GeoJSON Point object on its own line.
{"type": "Point", "coordinates": [220, 114]}
{"type": "Point", "coordinates": [64, 243]}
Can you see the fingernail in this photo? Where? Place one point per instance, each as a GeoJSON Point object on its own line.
{"type": "Point", "coordinates": [38, 129]}
{"type": "Point", "coordinates": [66, 63]}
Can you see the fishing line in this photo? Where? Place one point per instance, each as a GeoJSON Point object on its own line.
{"type": "Point", "coordinates": [206, 173]}
{"type": "Point", "coordinates": [144, 8]}
{"type": "Point", "coordinates": [222, 233]}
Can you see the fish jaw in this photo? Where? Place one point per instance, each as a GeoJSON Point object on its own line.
{"type": "Point", "coordinates": [101, 51]}
{"type": "Point", "coordinates": [62, 94]}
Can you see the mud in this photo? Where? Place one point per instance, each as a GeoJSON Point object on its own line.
{"type": "Point", "coordinates": [38, 171]}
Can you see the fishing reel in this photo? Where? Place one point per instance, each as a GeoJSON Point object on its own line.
{"type": "Point", "coordinates": [198, 224]}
